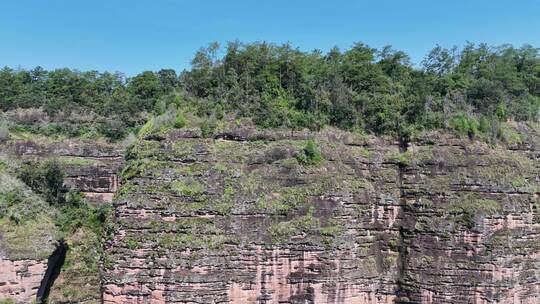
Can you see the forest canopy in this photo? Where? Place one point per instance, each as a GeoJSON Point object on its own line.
{"type": "Point", "coordinates": [471, 90]}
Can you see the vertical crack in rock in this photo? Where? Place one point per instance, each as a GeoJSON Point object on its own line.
{"type": "Point", "coordinates": [401, 292]}
{"type": "Point", "coordinates": [54, 265]}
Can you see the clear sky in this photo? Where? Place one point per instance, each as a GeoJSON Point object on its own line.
{"type": "Point", "coordinates": [136, 35]}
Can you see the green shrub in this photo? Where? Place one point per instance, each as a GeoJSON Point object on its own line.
{"type": "Point", "coordinates": [500, 112]}
{"type": "Point", "coordinates": [71, 217]}
{"type": "Point", "coordinates": [74, 197]}
{"type": "Point", "coordinates": [176, 101]}
{"type": "Point", "coordinates": [465, 125]}
{"type": "Point", "coordinates": [402, 158]}
{"type": "Point", "coordinates": [160, 107]}
{"type": "Point", "coordinates": [207, 128]}
{"type": "Point", "coordinates": [46, 178]}
{"type": "Point", "coordinates": [180, 121]}
{"type": "Point", "coordinates": [509, 135]}
{"type": "Point", "coordinates": [484, 126]}
{"type": "Point", "coordinates": [160, 123]}
{"type": "Point", "coordinates": [147, 128]}
{"type": "Point", "coordinates": [113, 128]}
{"type": "Point", "coordinates": [310, 155]}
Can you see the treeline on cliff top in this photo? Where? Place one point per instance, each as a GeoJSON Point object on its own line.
{"type": "Point", "coordinates": [472, 90]}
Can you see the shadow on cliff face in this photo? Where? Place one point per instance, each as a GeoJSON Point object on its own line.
{"type": "Point", "coordinates": [54, 265]}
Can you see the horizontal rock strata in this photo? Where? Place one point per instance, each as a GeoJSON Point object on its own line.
{"type": "Point", "coordinates": [237, 219]}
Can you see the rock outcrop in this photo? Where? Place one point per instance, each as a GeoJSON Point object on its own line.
{"type": "Point", "coordinates": [91, 167]}
{"type": "Point", "coordinates": [472, 228]}
{"type": "Point", "coordinates": [239, 219]}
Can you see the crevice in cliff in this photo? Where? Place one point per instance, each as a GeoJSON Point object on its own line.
{"type": "Point", "coordinates": [401, 290]}
{"type": "Point", "coordinates": [54, 265]}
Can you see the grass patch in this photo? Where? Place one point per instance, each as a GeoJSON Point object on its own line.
{"type": "Point", "coordinates": [282, 231]}
{"type": "Point", "coordinates": [190, 188]}
{"type": "Point", "coordinates": [467, 208]}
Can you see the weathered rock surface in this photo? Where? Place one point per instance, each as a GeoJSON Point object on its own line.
{"type": "Point", "coordinates": [91, 167]}
{"type": "Point", "coordinates": [236, 219]}
{"type": "Point", "coordinates": [20, 279]}
{"type": "Point", "coordinates": [472, 229]}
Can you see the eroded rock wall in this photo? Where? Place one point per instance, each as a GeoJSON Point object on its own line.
{"type": "Point", "coordinates": [90, 166]}
{"type": "Point", "coordinates": [240, 221]}
{"type": "Point", "coordinates": [472, 233]}
{"type": "Point", "coordinates": [237, 219]}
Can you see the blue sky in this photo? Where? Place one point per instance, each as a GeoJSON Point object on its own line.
{"type": "Point", "coordinates": [137, 35]}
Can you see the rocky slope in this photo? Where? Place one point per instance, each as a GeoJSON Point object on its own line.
{"type": "Point", "coordinates": [239, 219]}
{"type": "Point", "coordinates": [30, 242]}
{"type": "Point", "coordinates": [27, 239]}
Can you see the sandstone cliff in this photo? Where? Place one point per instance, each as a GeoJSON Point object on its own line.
{"type": "Point", "coordinates": [238, 219]}
{"type": "Point", "coordinates": [241, 218]}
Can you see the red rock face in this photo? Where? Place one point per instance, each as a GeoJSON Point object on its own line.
{"type": "Point", "coordinates": [275, 269]}
{"type": "Point", "coordinates": [473, 234]}
{"type": "Point", "coordinates": [20, 280]}
{"type": "Point", "coordinates": [239, 221]}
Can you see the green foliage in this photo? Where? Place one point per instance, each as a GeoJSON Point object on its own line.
{"type": "Point", "coordinates": [180, 121]}
{"type": "Point", "coordinates": [147, 128]}
{"type": "Point", "coordinates": [519, 182]}
{"type": "Point", "coordinates": [192, 188]}
{"type": "Point", "coordinates": [509, 135]}
{"type": "Point", "coordinates": [77, 215]}
{"type": "Point", "coordinates": [113, 128]}
{"type": "Point", "coordinates": [465, 125]}
{"type": "Point", "coordinates": [363, 88]}
{"type": "Point", "coordinates": [469, 207]}
{"type": "Point", "coordinates": [500, 112]}
{"type": "Point", "coordinates": [310, 156]}
{"type": "Point", "coordinates": [46, 178]}
{"type": "Point", "coordinates": [281, 231]}
{"type": "Point", "coordinates": [360, 88]}
{"type": "Point", "coordinates": [402, 158]}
